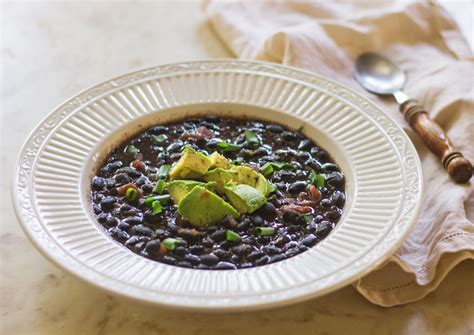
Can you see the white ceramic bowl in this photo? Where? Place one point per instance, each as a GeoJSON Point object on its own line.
{"type": "Point", "coordinates": [383, 181]}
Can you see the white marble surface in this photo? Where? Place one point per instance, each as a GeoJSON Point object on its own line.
{"type": "Point", "coordinates": [49, 52]}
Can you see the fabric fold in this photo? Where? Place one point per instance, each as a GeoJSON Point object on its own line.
{"type": "Point", "coordinates": [326, 38]}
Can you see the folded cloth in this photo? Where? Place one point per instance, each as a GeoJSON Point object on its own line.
{"type": "Point", "coordinates": [326, 37]}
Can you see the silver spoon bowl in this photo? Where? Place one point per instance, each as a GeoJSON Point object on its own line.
{"type": "Point", "coordinates": [380, 76]}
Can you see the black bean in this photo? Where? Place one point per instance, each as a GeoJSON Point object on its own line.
{"type": "Point", "coordinates": [242, 249]}
{"type": "Point", "coordinates": [161, 233]}
{"type": "Point", "coordinates": [257, 220]}
{"type": "Point", "coordinates": [288, 136]}
{"type": "Point", "coordinates": [112, 221]}
{"type": "Point", "coordinates": [147, 188]}
{"type": "Point", "coordinates": [207, 242]}
{"type": "Point", "coordinates": [260, 152]}
{"type": "Point", "coordinates": [318, 153]}
{"type": "Point", "coordinates": [108, 203]}
{"type": "Point", "coordinates": [193, 259]}
{"type": "Point", "coordinates": [98, 183]}
{"type": "Point", "coordinates": [335, 179]}
{"type": "Point", "coordinates": [156, 130]}
{"type": "Point", "coordinates": [303, 155]}
{"type": "Point", "coordinates": [102, 217]}
{"type": "Point", "coordinates": [338, 199]}
{"type": "Point", "coordinates": [209, 259]}
{"type": "Point", "coordinates": [179, 250]}
{"type": "Point", "coordinates": [255, 255]}
{"type": "Point", "coordinates": [141, 181]}
{"type": "Point", "coordinates": [325, 203]}
{"type": "Point", "coordinates": [131, 172]}
{"type": "Point", "coordinates": [196, 249]}
{"type": "Point", "coordinates": [212, 118]}
{"type": "Point", "coordinates": [142, 230]}
{"type": "Point", "coordinates": [202, 267]}
{"type": "Point", "coordinates": [284, 175]}
{"type": "Point", "coordinates": [132, 240]}
{"type": "Point", "coordinates": [309, 240]}
{"type": "Point", "coordinates": [334, 213]}
{"type": "Point", "coordinates": [175, 147]}
{"type": "Point", "coordinates": [222, 254]}
{"type": "Point", "coordinates": [271, 250]}
{"type": "Point", "coordinates": [275, 128]}
{"type": "Point", "coordinates": [122, 179]}
{"type": "Point", "coordinates": [110, 184]}
{"type": "Point", "coordinates": [292, 252]}
{"type": "Point", "coordinates": [186, 233]}
{"type": "Point", "coordinates": [329, 167]}
{"type": "Point", "coordinates": [212, 143]}
{"type": "Point", "coordinates": [210, 125]}
{"type": "Point", "coordinates": [297, 186]}
{"type": "Point", "coordinates": [123, 225]}
{"type": "Point", "coordinates": [305, 145]}
{"type": "Point", "coordinates": [169, 260]}
{"type": "Point", "coordinates": [219, 235]}
{"type": "Point", "coordinates": [151, 218]}
{"type": "Point", "coordinates": [133, 220]}
{"type": "Point", "coordinates": [119, 234]}
{"type": "Point", "coordinates": [324, 228]}
{"type": "Point", "coordinates": [153, 248]}
{"type": "Point", "coordinates": [267, 211]}
{"type": "Point", "coordinates": [243, 225]}
{"type": "Point", "coordinates": [277, 258]}
{"type": "Point", "coordinates": [115, 165]}
{"type": "Point", "coordinates": [314, 164]}
{"type": "Point", "coordinates": [246, 265]}
{"type": "Point", "coordinates": [293, 218]}
{"type": "Point", "coordinates": [225, 266]}
{"type": "Point", "coordinates": [281, 241]}
{"type": "Point", "coordinates": [262, 261]}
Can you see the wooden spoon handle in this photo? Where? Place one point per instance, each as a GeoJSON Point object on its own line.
{"type": "Point", "coordinates": [459, 168]}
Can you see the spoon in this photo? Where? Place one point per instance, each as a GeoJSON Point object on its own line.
{"type": "Point", "coordinates": [379, 75]}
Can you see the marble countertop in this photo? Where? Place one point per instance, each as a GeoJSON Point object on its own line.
{"type": "Point", "coordinates": [50, 51]}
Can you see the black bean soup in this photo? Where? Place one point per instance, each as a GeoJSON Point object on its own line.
{"type": "Point", "coordinates": [130, 197]}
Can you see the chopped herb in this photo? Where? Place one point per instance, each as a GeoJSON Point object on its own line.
{"type": "Point", "coordinates": [228, 146]}
{"type": "Point", "coordinates": [159, 138]}
{"type": "Point", "coordinates": [232, 236]}
{"type": "Point", "coordinates": [264, 231]}
{"type": "Point", "coordinates": [300, 128]}
{"type": "Point", "coordinates": [131, 194]}
{"type": "Point", "coordinates": [308, 218]}
{"type": "Point", "coordinates": [170, 243]}
{"type": "Point", "coordinates": [163, 171]}
{"type": "Point", "coordinates": [267, 169]}
{"type": "Point", "coordinates": [163, 199]}
{"type": "Point", "coordinates": [252, 138]}
{"type": "Point", "coordinates": [156, 207]}
{"type": "Point", "coordinates": [131, 149]}
{"type": "Point", "coordinates": [316, 179]}
{"type": "Point", "coordinates": [282, 166]}
{"type": "Point", "coordinates": [271, 187]}
{"type": "Point", "coordinates": [159, 186]}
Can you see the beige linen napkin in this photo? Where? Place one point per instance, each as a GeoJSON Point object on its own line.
{"type": "Point", "coordinates": [326, 37]}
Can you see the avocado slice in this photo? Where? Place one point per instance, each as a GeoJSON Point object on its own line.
{"type": "Point", "coordinates": [245, 175]}
{"type": "Point", "coordinates": [202, 207]}
{"type": "Point", "coordinates": [245, 198]}
{"type": "Point", "coordinates": [220, 177]}
{"type": "Point", "coordinates": [179, 188]}
{"type": "Point", "coordinates": [191, 165]}
{"type": "Point", "coordinates": [218, 161]}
